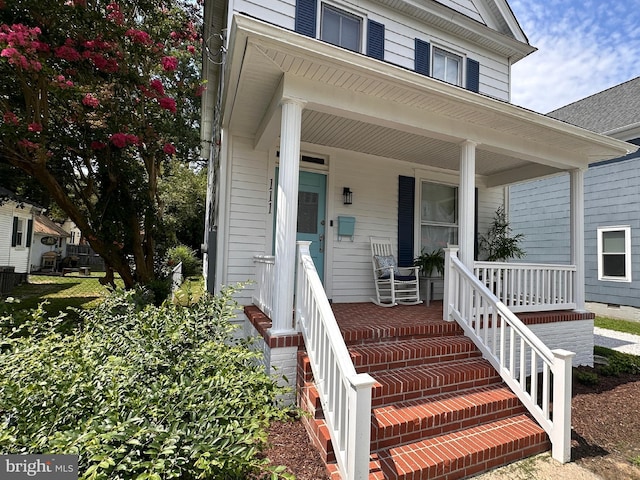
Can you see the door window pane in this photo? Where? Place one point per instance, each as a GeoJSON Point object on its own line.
{"type": "Point", "coordinates": [307, 212]}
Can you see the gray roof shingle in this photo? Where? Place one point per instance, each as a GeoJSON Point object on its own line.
{"type": "Point", "coordinates": [605, 111]}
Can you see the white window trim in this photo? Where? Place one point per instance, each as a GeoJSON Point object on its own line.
{"type": "Point", "coordinates": [453, 52]}
{"type": "Point", "coordinates": [351, 11]}
{"type": "Point", "coordinates": [627, 253]}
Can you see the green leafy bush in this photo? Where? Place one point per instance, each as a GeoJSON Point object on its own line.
{"type": "Point", "coordinates": [190, 262]}
{"type": "Point", "coordinates": [617, 362]}
{"type": "Point", "coordinates": [138, 391]}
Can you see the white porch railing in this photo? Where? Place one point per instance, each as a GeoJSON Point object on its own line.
{"type": "Point", "coordinates": [263, 293]}
{"type": "Point", "coordinates": [345, 395]}
{"type": "Point", "coordinates": [529, 287]}
{"type": "Point", "coordinates": [540, 377]}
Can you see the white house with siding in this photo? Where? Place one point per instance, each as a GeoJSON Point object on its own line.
{"type": "Point", "coordinates": [16, 232]}
{"type": "Point", "coordinates": [393, 117]}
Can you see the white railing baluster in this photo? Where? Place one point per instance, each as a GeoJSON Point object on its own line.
{"type": "Point", "coordinates": [344, 394]}
{"type": "Point", "coordinates": [263, 293]}
{"type": "Point", "coordinates": [509, 355]}
{"type": "Point", "coordinates": [529, 287]}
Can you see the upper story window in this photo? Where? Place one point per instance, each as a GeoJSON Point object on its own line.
{"type": "Point", "coordinates": [447, 66]}
{"type": "Point", "coordinates": [614, 253]}
{"type": "Point", "coordinates": [340, 28]}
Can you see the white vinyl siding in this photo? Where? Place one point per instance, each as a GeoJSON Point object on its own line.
{"type": "Point", "coordinates": [400, 34]}
{"type": "Point", "coordinates": [614, 253]}
{"type": "Point", "coordinates": [17, 256]}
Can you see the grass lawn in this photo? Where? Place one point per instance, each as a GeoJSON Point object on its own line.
{"type": "Point", "coordinates": [61, 292]}
{"type": "Point", "coordinates": [625, 326]}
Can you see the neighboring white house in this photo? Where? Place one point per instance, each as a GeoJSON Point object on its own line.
{"type": "Point", "coordinates": [48, 238]}
{"type": "Point", "coordinates": [16, 231]}
{"type": "Point", "coordinates": [405, 105]}
{"type": "Point", "coordinates": [75, 235]}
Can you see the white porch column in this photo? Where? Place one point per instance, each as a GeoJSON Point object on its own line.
{"type": "Point", "coordinates": [467, 198]}
{"type": "Point", "coordinates": [286, 216]}
{"type": "Point", "coordinates": [577, 236]}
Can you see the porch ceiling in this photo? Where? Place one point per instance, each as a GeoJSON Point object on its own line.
{"type": "Point", "coordinates": [360, 104]}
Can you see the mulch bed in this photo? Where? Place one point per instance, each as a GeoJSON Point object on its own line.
{"type": "Point", "coordinates": [605, 440]}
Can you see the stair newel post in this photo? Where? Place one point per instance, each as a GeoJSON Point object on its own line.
{"type": "Point", "coordinates": [449, 283]}
{"type": "Point", "coordinates": [561, 433]}
{"type": "Point", "coordinates": [300, 295]}
{"type": "Point", "coordinates": [359, 441]}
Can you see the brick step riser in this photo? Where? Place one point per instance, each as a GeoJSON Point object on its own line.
{"type": "Point", "coordinates": [428, 427]}
{"type": "Point", "coordinates": [377, 365]}
{"type": "Point", "coordinates": [392, 337]}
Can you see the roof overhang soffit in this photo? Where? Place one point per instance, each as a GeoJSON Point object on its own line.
{"type": "Point", "coordinates": [261, 51]}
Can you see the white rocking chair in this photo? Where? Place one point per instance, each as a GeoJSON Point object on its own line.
{"type": "Point", "coordinates": [394, 285]}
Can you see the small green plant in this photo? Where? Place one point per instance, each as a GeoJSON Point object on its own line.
{"type": "Point", "coordinates": [139, 391]}
{"type": "Point", "coordinates": [430, 262]}
{"type": "Point", "coordinates": [191, 265]}
{"type": "Point", "coordinates": [499, 243]}
{"type": "Point", "coordinates": [587, 378]}
{"type": "Point", "coordinates": [618, 362]}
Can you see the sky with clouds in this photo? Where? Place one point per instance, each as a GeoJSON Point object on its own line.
{"type": "Point", "coordinates": [584, 47]}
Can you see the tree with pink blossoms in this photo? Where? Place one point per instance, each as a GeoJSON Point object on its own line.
{"type": "Point", "coordinates": [99, 101]}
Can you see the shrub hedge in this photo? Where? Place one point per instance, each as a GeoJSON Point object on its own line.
{"type": "Point", "coordinates": [138, 391]}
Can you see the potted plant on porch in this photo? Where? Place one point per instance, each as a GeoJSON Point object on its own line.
{"type": "Point", "coordinates": [431, 267]}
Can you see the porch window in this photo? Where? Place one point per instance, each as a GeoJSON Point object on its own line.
{"type": "Point", "coordinates": [447, 66]}
{"type": "Point", "coordinates": [340, 28]}
{"type": "Point", "coordinates": [614, 253]}
{"type": "Point", "coordinates": [438, 216]}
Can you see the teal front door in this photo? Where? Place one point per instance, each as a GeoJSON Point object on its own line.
{"type": "Point", "coordinates": [311, 213]}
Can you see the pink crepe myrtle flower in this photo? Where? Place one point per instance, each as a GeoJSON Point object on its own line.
{"type": "Point", "coordinates": [139, 36]}
{"type": "Point", "coordinates": [90, 101]}
{"type": "Point", "coordinates": [119, 140]}
{"type": "Point", "coordinates": [96, 145]}
{"type": "Point", "coordinates": [169, 149]}
{"type": "Point", "coordinates": [10, 118]}
{"type": "Point", "coordinates": [157, 86]}
{"type": "Point", "coordinates": [28, 144]}
{"type": "Point", "coordinates": [191, 49]}
{"type": "Point", "coordinates": [65, 52]}
{"type": "Point", "coordinates": [169, 63]}
{"type": "Point", "coordinates": [167, 103]}
{"type": "Point", "coordinates": [34, 127]}
{"type": "Point", "coordinates": [115, 14]}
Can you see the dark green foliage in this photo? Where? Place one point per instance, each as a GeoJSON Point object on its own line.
{"type": "Point", "coordinates": [138, 391]}
{"type": "Point", "coordinates": [499, 243]}
{"type": "Point", "coordinates": [587, 378]}
{"type": "Point", "coordinates": [618, 362]}
{"type": "Point", "coordinates": [181, 253]}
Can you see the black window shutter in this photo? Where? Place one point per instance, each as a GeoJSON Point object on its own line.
{"type": "Point", "coordinates": [375, 40]}
{"type": "Point", "coordinates": [29, 232]}
{"type": "Point", "coordinates": [423, 56]}
{"type": "Point", "coordinates": [473, 75]}
{"type": "Point", "coordinates": [306, 12]}
{"type": "Point", "coordinates": [14, 236]}
{"type": "Point", "coordinates": [406, 206]}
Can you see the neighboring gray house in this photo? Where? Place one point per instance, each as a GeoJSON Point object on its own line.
{"type": "Point", "coordinates": [540, 209]}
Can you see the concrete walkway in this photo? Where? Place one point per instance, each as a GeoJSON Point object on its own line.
{"type": "Point", "coordinates": [621, 342]}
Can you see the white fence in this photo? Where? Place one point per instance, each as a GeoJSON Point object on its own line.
{"type": "Point", "coordinates": [529, 287]}
{"type": "Point", "coordinates": [176, 278]}
{"type": "Point", "coordinates": [540, 377]}
{"type": "Point", "coordinates": [345, 395]}
{"type": "Point", "coordinates": [263, 293]}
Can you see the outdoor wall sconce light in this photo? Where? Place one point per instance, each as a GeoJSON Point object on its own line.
{"type": "Point", "coordinates": [348, 196]}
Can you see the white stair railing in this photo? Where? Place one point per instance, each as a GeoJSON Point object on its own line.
{"type": "Point", "coordinates": [539, 376]}
{"type": "Point", "coordinates": [344, 394]}
{"type": "Point", "coordinates": [263, 293]}
{"type": "Point", "coordinates": [529, 287]}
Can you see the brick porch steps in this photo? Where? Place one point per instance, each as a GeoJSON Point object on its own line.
{"type": "Point", "coordinates": [439, 411]}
